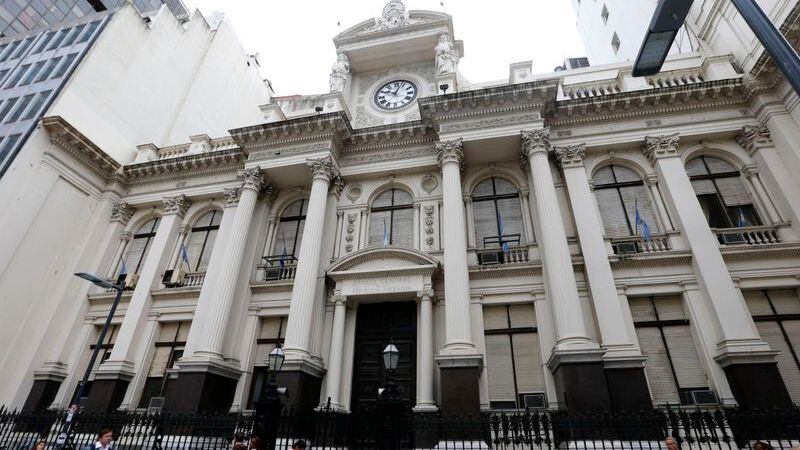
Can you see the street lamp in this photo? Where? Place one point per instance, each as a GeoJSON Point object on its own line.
{"type": "Point", "coordinates": [268, 406]}
{"type": "Point", "coordinates": [73, 408]}
{"type": "Point", "coordinates": [391, 355]}
{"type": "Point", "coordinates": [670, 16]}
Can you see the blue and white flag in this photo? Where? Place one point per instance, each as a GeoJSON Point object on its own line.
{"type": "Point", "coordinates": [185, 256]}
{"type": "Point", "coordinates": [742, 219]}
{"type": "Point", "coordinates": [385, 233]}
{"type": "Point", "coordinates": [124, 269]}
{"type": "Point", "coordinates": [640, 222]}
{"type": "Point", "coordinates": [502, 227]}
{"type": "Point", "coordinates": [282, 261]}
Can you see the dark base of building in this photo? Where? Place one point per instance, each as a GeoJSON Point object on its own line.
{"type": "Point", "coordinates": [460, 391]}
{"type": "Point", "coordinates": [302, 389]}
{"type": "Point", "coordinates": [201, 392]}
{"type": "Point", "coordinates": [106, 394]}
{"type": "Point", "coordinates": [581, 386]}
{"type": "Point", "coordinates": [627, 390]}
{"type": "Point", "coordinates": [758, 386]}
{"type": "Point", "coordinates": [41, 395]}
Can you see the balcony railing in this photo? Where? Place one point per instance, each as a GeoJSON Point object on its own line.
{"type": "Point", "coordinates": [637, 244]}
{"type": "Point", "coordinates": [193, 279]}
{"type": "Point", "coordinates": [505, 249]}
{"type": "Point", "coordinates": [278, 267]}
{"type": "Point", "coordinates": [758, 235]}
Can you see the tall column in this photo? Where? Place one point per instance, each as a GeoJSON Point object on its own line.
{"type": "Point", "coordinates": [112, 377]}
{"type": "Point", "coordinates": [746, 358]}
{"type": "Point", "coordinates": [576, 360]}
{"type": "Point", "coordinates": [333, 378]}
{"type": "Point", "coordinates": [204, 372]}
{"type": "Point", "coordinates": [425, 402]}
{"type": "Point", "coordinates": [622, 360]}
{"type": "Point", "coordinates": [460, 363]}
{"type": "Point", "coordinates": [302, 374]}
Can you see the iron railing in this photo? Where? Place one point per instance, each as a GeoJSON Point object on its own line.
{"type": "Point", "coordinates": [378, 429]}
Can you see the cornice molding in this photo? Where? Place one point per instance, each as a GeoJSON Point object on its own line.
{"type": "Point", "coordinates": [201, 163]}
{"type": "Point", "coordinates": [68, 138]}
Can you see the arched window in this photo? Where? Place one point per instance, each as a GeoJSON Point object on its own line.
{"type": "Point", "coordinates": [201, 241]}
{"type": "Point", "coordinates": [620, 192]}
{"type": "Point", "coordinates": [721, 193]}
{"type": "Point", "coordinates": [140, 246]}
{"type": "Point", "coordinates": [390, 219]}
{"type": "Point", "coordinates": [498, 214]}
{"type": "Point", "coordinates": [290, 229]}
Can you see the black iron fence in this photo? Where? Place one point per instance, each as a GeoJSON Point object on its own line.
{"type": "Point", "coordinates": [328, 429]}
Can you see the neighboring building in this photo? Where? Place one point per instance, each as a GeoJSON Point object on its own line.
{"type": "Point", "coordinates": [579, 240]}
{"type": "Point", "coordinates": [613, 30]}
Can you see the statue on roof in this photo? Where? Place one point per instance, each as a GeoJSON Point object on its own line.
{"type": "Point", "coordinates": [339, 72]}
{"type": "Point", "coordinates": [446, 56]}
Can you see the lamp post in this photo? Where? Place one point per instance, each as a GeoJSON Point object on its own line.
{"type": "Point", "coordinates": [391, 399]}
{"type": "Point", "coordinates": [670, 16]}
{"type": "Point", "coordinates": [63, 436]}
{"type": "Point", "coordinates": [268, 406]}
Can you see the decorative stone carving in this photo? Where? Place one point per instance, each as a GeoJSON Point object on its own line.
{"type": "Point", "coordinates": [750, 171]}
{"type": "Point", "coordinates": [337, 186]}
{"type": "Point", "coordinates": [446, 57]}
{"type": "Point", "coordinates": [126, 236]}
{"type": "Point", "coordinates": [122, 213]}
{"type": "Point", "coordinates": [663, 146]}
{"type": "Point", "coordinates": [176, 204]}
{"type": "Point", "coordinates": [426, 293]}
{"type": "Point", "coordinates": [429, 183]}
{"type": "Point", "coordinates": [535, 141]}
{"type": "Point", "coordinates": [394, 16]}
{"type": "Point", "coordinates": [253, 178]}
{"type": "Point", "coordinates": [450, 151]}
{"type": "Point", "coordinates": [571, 155]}
{"type": "Point", "coordinates": [354, 193]}
{"type": "Point", "coordinates": [339, 73]}
{"type": "Point", "coordinates": [323, 168]}
{"type": "Point", "coordinates": [752, 138]}
{"type": "Point", "coordinates": [428, 210]}
{"type": "Point", "coordinates": [351, 228]}
{"type": "Point", "coordinates": [232, 195]}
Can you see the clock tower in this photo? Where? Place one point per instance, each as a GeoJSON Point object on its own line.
{"type": "Point", "coordinates": [385, 64]}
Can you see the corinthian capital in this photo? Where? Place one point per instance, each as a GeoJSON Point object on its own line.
{"type": "Point", "coordinates": [176, 204]}
{"type": "Point", "coordinates": [121, 212]}
{"type": "Point", "coordinates": [253, 178]}
{"type": "Point", "coordinates": [323, 168]}
{"type": "Point", "coordinates": [663, 146]}
{"type": "Point", "coordinates": [571, 155]}
{"type": "Point", "coordinates": [752, 138]}
{"type": "Point", "coordinates": [232, 195]}
{"type": "Point", "coordinates": [450, 151]}
{"type": "Point", "coordinates": [534, 141]}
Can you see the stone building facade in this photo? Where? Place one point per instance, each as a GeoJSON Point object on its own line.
{"type": "Point", "coordinates": [580, 240]}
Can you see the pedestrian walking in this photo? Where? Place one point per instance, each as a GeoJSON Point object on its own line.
{"type": "Point", "coordinates": [672, 444]}
{"type": "Point", "coordinates": [299, 445]}
{"type": "Point", "coordinates": [103, 442]}
{"type": "Point", "coordinates": [39, 445]}
{"type": "Point", "coordinates": [761, 446]}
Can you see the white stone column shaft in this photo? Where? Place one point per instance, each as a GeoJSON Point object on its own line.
{"type": "Point", "coordinates": [216, 316]}
{"type": "Point", "coordinates": [610, 316]}
{"type": "Point", "coordinates": [458, 334]}
{"type": "Point", "coordinates": [471, 239]}
{"type": "Point", "coordinates": [425, 400]}
{"type": "Point", "coordinates": [333, 378]}
{"type": "Point", "coordinates": [301, 309]}
{"type": "Point", "coordinates": [526, 216]}
{"type": "Point", "coordinates": [662, 215]}
{"type": "Point", "coordinates": [562, 291]}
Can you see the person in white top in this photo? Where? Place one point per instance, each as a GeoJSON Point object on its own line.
{"type": "Point", "coordinates": [104, 438]}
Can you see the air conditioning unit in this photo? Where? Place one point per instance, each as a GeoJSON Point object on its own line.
{"type": "Point", "coordinates": [533, 401]}
{"type": "Point", "coordinates": [623, 248]}
{"type": "Point", "coordinates": [703, 397]}
{"type": "Point", "coordinates": [130, 280]}
{"type": "Point", "coordinates": [272, 273]}
{"type": "Point", "coordinates": [173, 277]}
{"type": "Point", "coordinates": [490, 258]}
{"type": "Point", "coordinates": [732, 238]}
{"type": "Point", "coordinates": [155, 405]}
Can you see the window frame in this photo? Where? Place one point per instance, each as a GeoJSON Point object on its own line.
{"type": "Point", "coordinates": [298, 218]}
{"type": "Point", "coordinates": [618, 185]}
{"type": "Point", "coordinates": [494, 199]}
{"type": "Point", "coordinates": [391, 208]}
{"type": "Point", "coordinates": [718, 176]}
{"type": "Point", "coordinates": [207, 229]}
{"type": "Point", "coordinates": [149, 236]}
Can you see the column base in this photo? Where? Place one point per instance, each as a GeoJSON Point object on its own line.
{"type": "Point", "coordinates": [425, 409]}
{"type": "Point", "coordinates": [758, 386]}
{"type": "Point", "coordinates": [202, 386]}
{"type": "Point", "coordinates": [580, 380]}
{"type": "Point", "coordinates": [41, 395]}
{"type": "Point", "coordinates": [459, 384]}
{"type": "Point", "coordinates": [302, 389]}
{"type": "Point", "coordinates": [627, 385]}
{"type": "Point", "coordinates": [106, 394]}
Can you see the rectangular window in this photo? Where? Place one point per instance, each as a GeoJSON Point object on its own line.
{"type": "Point", "coordinates": [23, 105]}
{"type": "Point", "coordinates": [37, 105]}
{"type": "Point", "coordinates": [17, 76]}
{"type": "Point", "coordinates": [55, 43]}
{"type": "Point", "coordinates": [3, 74]}
{"type": "Point", "coordinates": [73, 35]}
{"type": "Point", "coordinates": [7, 107]}
{"type": "Point", "coordinates": [89, 31]}
{"type": "Point", "coordinates": [45, 40]}
{"type": "Point", "coordinates": [9, 51]}
{"type": "Point", "coordinates": [51, 64]}
{"type": "Point", "coordinates": [7, 145]}
{"type": "Point", "coordinates": [65, 66]}
{"type": "Point", "coordinates": [24, 47]}
{"type": "Point", "coordinates": [29, 77]}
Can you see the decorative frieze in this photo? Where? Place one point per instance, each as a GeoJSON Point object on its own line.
{"type": "Point", "coordinates": [253, 178]}
{"type": "Point", "coordinates": [450, 151]}
{"type": "Point", "coordinates": [754, 137]}
{"type": "Point", "coordinates": [571, 155]}
{"type": "Point", "coordinates": [122, 213]}
{"type": "Point", "coordinates": [663, 146]}
{"type": "Point", "coordinates": [176, 204]}
{"type": "Point", "coordinates": [232, 195]}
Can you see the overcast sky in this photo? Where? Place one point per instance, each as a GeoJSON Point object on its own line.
{"type": "Point", "coordinates": [294, 37]}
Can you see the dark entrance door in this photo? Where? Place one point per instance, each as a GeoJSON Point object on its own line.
{"type": "Point", "coordinates": [376, 325]}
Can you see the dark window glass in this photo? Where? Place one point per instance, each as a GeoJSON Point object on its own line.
{"type": "Point", "coordinates": [32, 73]}
{"type": "Point", "coordinates": [7, 145]}
{"type": "Point", "coordinates": [51, 64]}
{"type": "Point", "coordinates": [390, 219]}
{"type": "Point", "coordinates": [7, 107]}
{"type": "Point", "coordinates": [201, 241]}
{"type": "Point", "coordinates": [22, 48]}
{"type": "Point", "coordinates": [89, 31]}
{"type": "Point", "coordinates": [55, 43]}
{"type": "Point", "coordinates": [37, 105]}
{"type": "Point", "coordinates": [65, 66]}
{"type": "Point", "coordinates": [290, 229]}
{"type": "Point", "coordinates": [619, 193]}
{"type": "Point", "coordinates": [23, 105]}
{"type": "Point", "coordinates": [140, 246]}
{"type": "Point", "coordinates": [721, 193]}
{"type": "Point", "coordinates": [497, 214]}
{"type": "Point", "coordinates": [17, 76]}
{"type": "Point", "coordinates": [73, 35]}
{"type": "Point", "coordinates": [45, 40]}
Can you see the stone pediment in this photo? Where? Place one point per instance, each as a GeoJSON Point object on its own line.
{"type": "Point", "coordinates": [375, 26]}
{"type": "Point", "coordinates": [382, 261]}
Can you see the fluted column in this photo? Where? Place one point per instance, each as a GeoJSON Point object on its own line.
{"type": "Point", "coordinates": [458, 334]}
{"type": "Point", "coordinates": [301, 309]}
{"type": "Point", "coordinates": [216, 316]}
{"type": "Point", "coordinates": [610, 317]}
{"type": "Point", "coordinates": [334, 375]}
{"type": "Point", "coordinates": [562, 291]}
{"type": "Point", "coordinates": [425, 400]}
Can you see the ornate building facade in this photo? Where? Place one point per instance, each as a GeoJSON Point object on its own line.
{"type": "Point", "coordinates": [580, 240]}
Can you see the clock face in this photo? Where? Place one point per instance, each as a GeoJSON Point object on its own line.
{"type": "Point", "coordinates": [395, 95]}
